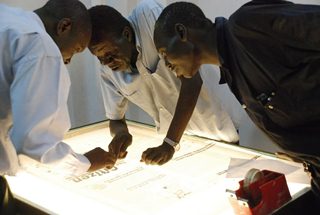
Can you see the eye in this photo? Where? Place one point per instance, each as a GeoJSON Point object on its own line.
{"type": "Point", "coordinates": [169, 65]}
{"type": "Point", "coordinates": [78, 49]}
{"type": "Point", "coordinates": [107, 58]}
{"type": "Point", "coordinates": [163, 54]}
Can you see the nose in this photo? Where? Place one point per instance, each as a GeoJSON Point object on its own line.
{"type": "Point", "coordinates": [106, 60]}
{"type": "Point", "coordinates": [67, 61]}
{"type": "Point", "coordinates": [179, 74]}
{"type": "Point", "coordinates": [169, 65]}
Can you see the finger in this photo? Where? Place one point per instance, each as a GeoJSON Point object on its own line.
{"type": "Point", "coordinates": [123, 149]}
{"type": "Point", "coordinates": [110, 148]}
{"type": "Point", "coordinates": [110, 165]}
{"type": "Point", "coordinates": [122, 155]}
{"type": "Point", "coordinates": [110, 158]}
{"type": "Point", "coordinates": [144, 155]}
{"type": "Point", "coordinates": [163, 161]}
{"type": "Point", "coordinates": [157, 159]}
{"type": "Point", "coordinates": [150, 157]}
{"type": "Point", "coordinates": [114, 146]}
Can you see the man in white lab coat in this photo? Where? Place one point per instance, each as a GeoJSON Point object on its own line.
{"type": "Point", "coordinates": [138, 75]}
{"type": "Point", "coordinates": [34, 86]}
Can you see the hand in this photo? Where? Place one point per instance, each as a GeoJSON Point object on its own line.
{"type": "Point", "coordinates": [119, 144]}
{"type": "Point", "coordinates": [99, 158]}
{"type": "Point", "coordinates": [158, 155]}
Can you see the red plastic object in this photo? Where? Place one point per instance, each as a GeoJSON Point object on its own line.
{"type": "Point", "coordinates": [266, 195]}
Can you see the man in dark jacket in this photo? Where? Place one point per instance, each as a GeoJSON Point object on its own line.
{"type": "Point", "coordinates": [269, 55]}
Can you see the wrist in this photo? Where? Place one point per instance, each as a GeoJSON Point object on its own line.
{"type": "Point", "coordinates": [122, 133]}
{"type": "Point", "coordinates": [175, 145]}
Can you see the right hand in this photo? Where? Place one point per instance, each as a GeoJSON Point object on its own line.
{"type": "Point", "coordinates": [100, 158]}
{"type": "Point", "coordinates": [158, 155]}
{"type": "Point", "coordinates": [119, 144]}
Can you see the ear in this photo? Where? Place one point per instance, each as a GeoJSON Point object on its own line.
{"type": "Point", "coordinates": [64, 26]}
{"type": "Point", "coordinates": [127, 33]}
{"type": "Point", "coordinates": [181, 30]}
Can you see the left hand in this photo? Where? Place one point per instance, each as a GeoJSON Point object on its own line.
{"type": "Point", "coordinates": [100, 158]}
{"type": "Point", "coordinates": [158, 155]}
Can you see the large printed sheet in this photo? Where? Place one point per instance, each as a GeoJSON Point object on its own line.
{"type": "Point", "coordinates": [193, 182]}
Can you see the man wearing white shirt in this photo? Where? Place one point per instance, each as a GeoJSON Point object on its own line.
{"type": "Point", "coordinates": [34, 86]}
{"type": "Point", "coordinates": [138, 75]}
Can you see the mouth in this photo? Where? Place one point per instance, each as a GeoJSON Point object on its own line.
{"type": "Point", "coordinates": [67, 60]}
{"type": "Point", "coordinates": [114, 66]}
{"type": "Point", "coordinates": [187, 76]}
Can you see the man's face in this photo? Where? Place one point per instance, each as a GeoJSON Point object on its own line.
{"type": "Point", "coordinates": [180, 56]}
{"type": "Point", "coordinates": [71, 38]}
{"type": "Point", "coordinates": [113, 51]}
{"type": "Point", "coordinates": [73, 44]}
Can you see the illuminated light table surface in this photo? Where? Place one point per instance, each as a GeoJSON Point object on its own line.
{"type": "Point", "coordinates": [193, 182]}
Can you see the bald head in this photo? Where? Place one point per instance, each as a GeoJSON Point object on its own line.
{"type": "Point", "coordinates": [68, 23]}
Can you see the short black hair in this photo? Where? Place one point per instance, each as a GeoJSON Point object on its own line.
{"type": "Point", "coordinates": [185, 13]}
{"type": "Point", "coordinates": [106, 20]}
{"type": "Point", "coordinates": [73, 9]}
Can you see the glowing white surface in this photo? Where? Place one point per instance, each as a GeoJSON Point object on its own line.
{"type": "Point", "coordinates": [193, 182]}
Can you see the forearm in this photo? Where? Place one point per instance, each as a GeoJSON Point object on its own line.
{"type": "Point", "coordinates": [189, 93]}
{"type": "Point", "coordinates": [63, 160]}
{"type": "Point", "coordinates": [118, 126]}
{"type": "Point", "coordinates": [122, 139]}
